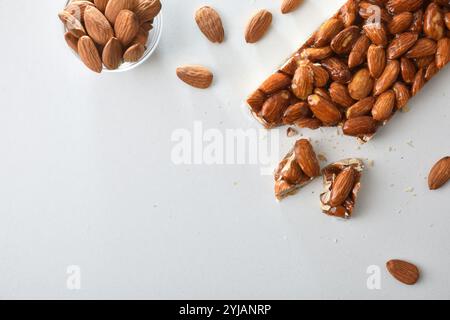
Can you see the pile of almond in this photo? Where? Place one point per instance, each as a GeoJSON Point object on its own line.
{"type": "Point", "coordinates": [359, 67]}
{"type": "Point", "coordinates": [109, 32]}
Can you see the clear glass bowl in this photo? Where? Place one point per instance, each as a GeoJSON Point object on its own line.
{"type": "Point", "coordinates": [152, 43]}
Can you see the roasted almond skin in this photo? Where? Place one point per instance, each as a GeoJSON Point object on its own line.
{"type": "Point", "coordinates": [328, 31]}
{"type": "Point", "coordinates": [275, 82]}
{"type": "Point", "coordinates": [359, 126]}
{"type": "Point", "coordinates": [359, 51]}
{"type": "Point", "coordinates": [340, 95]}
{"type": "Point", "coordinates": [402, 94]}
{"type": "Point", "coordinates": [337, 69]}
{"type": "Point", "coordinates": [306, 158]}
{"type": "Point", "coordinates": [401, 44]}
{"type": "Point", "coordinates": [399, 6]}
{"type": "Point", "coordinates": [376, 60]}
{"type": "Point", "coordinates": [343, 42]}
{"type": "Point", "coordinates": [316, 54]}
{"type": "Point", "coordinates": [296, 112]}
{"type": "Point", "coordinates": [387, 78]}
{"type": "Point", "coordinates": [384, 106]}
{"type": "Point", "coordinates": [256, 100]}
{"type": "Point", "coordinates": [376, 33]}
{"type": "Point", "coordinates": [424, 47]}
{"type": "Point", "coordinates": [408, 70]}
{"type": "Point", "coordinates": [210, 24]}
{"type": "Point", "coordinates": [442, 52]}
{"type": "Point", "coordinates": [303, 81]}
{"type": "Point", "coordinates": [195, 76]}
{"type": "Point", "coordinates": [342, 186]}
{"type": "Point", "coordinates": [361, 85]}
{"type": "Point", "coordinates": [324, 110]}
{"type": "Point", "coordinates": [401, 22]}
{"type": "Point", "coordinates": [275, 106]}
{"type": "Point", "coordinates": [361, 108]}
{"type": "Point", "coordinates": [439, 174]}
{"type": "Point", "coordinates": [258, 26]}
{"type": "Point", "coordinates": [419, 82]}
{"type": "Point", "coordinates": [433, 22]}
{"type": "Point", "coordinates": [403, 271]}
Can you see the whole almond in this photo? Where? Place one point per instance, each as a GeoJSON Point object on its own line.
{"type": "Point", "coordinates": [89, 54]}
{"type": "Point", "coordinates": [401, 44]}
{"type": "Point", "coordinates": [115, 6]}
{"type": "Point", "coordinates": [387, 78]}
{"type": "Point", "coordinates": [306, 158]}
{"type": "Point", "coordinates": [258, 26]}
{"type": "Point", "coordinates": [295, 112]}
{"type": "Point", "coordinates": [361, 108]}
{"type": "Point", "coordinates": [369, 11]}
{"type": "Point", "coordinates": [408, 70]}
{"type": "Point", "coordinates": [402, 94]}
{"type": "Point", "coordinates": [316, 54]}
{"type": "Point", "coordinates": [376, 60]}
{"type": "Point", "coordinates": [141, 37]}
{"type": "Point", "coordinates": [321, 76]}
{"type": "Point", "coordinates": [417, 23]}
{"type": "Point", "coordinates": [291, 172]}
{"type": "Point", "coordinates": [439, 174]}
{"type": "Point", "coordinates": [275, 106]}
{"type": "Point", "coordinates": [303, 81]}
{"type": "Point", "coordinates": [399, 6]}
{"type": "Point", "coordinates": [324, 110]}
{"type": "Point", "coordinates": [72, 24]}
{"type": "Point", "coordinates": [134, 53]}
{"type": "Point", "coordinates": [431, 71]}
{"type": "Point", "coordinates": [424, 62]}
{"type": "Point", "coordinates": [77, 8]}
{"type": "Point", "coordinates": [328, 31]}
{"type": "Point", "coordinates": [419, 82]}
{"type": "Point", "coordinates": [349, 12]}
{"type": "Point", "coordinates": [442, 52]}
{"type": "Point", "coordinates": [101, 4]}
{"type": "Point", "coordinates": [71, 40]}
{"type": "Point", "coordinates": [342, 186]}
{"type": "Point", "coordinates": [337, 69]}
{"type": "Point", "coordinates": [376, 33]}
{"type": "Point", "coordinates": [433, 22]}
{"type": "Point", "coordinates": [310, 123]}
{"type": "Point", "coordinates": [195, 76]}
{"type": "Point", "coordinates": [323, 93]}
{"type": "Point", "coordinates": [275, 82]}
{"type": "Point", "coordinates": [146, 10]}
{"type": "Point", "coordinates": [343, 42]}
{"type": "Point", "coordinates": [112, 54]}
{"type": "Point", "coordinates": [126, 26]}
{"type": "Point", "coordinates": [210, 24]}
{"type": "Point", "coordinates": [361, 85]}
{"type": "Point", "coordinates": [423, 47]}
{"type": "Point", "coordinates": [339, 94]}
{"type": "Point", "coordinates": [289, 5]}
{"type": "Point", "coordinates": [359, 51]}
{"type": "Point", "coordinates": [97, 26]}
{"type": "Point", "coordinates": [400, 22]}
{"type": "Point", "coordinates": [403, 271]}
{"type": "Point", "coordinates": [384, 105]}
{"type": "Point", "coordinates": [256, 100]}
{"type": "Point", "coordinates": [358, 126]}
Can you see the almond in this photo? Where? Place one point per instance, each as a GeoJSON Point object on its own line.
{"type": "Point", "coordinates": [433, 22]}
{"type": "Point", "coordinates": [419, 82]}
{"type": "Point", "coordinates": [210, 24]}
{"type": "Point", "coordinates": [97, 26]}
{"type": "Point", "coordinates": [408, 70]}
{"type": "Point", "coordinates": [72, 24]}
{"type": "Point", "coordinates": [370, 10]}
{"type": "Point", "coordinates": [403, 271]}
{"type": "Point", "coordinates": [424, 62]}
{"type": "Point", "coordinates": [141, 37]}
{"type": "Point", "coordinates": [401, 44]}
{"type": "Point", "coordinates": [361, 108]}
{"type": "Point", "coordinates": [316, 54]}
{"type": "Point", "coordinates": [342, 186]}
{"type": "Point", "coordinates": [291, 173]}
{"type": "Point", "coordinates": [306, 158]}
{"type": "Point", "coordinates": [112, 54]}
{"type": "Point", "coordinates": [303, 81]}
{"type": "Point", "coordinates": [295, 112]}
{"type": "Point", "coordinates": [258, 26]}
{"type": "Point", "coordinates": [337, 69]}
{"type": "Point", "coordinates": [101, 4]}
{"type": "Point", "coordinates": [376, 33]}
{"type": "Point", "coordinates": [384, 106]}
{"type": "Point", "coordinates": [195, 76]}
{"type": "Point", "coordinates": [324, 110]}
{"type": "Point", "coordinates": [387, 78]}
{"type": "Point", "coordinates": [328, 31]}
{"type": "Point", "coordinates": [439, 174]}
{"type": "Point", "coordinates": [400, 22]}
{"type": "Point", "coordinates": [71, 40]}
{"type": "Point", "coordinates": [321, 75]}
{"type": "Point", "coordinates": [442, 52]}
{"type": "Point", "coordinates": [359, 51]}
{"type": "Point", "coordinates": [275, 82]}
{"type": "Point", "coordinates": [115, 6]}
{"type": "Point", "coordinates": [289, 5]}
{"type": "Point", "coordinates": [423, 47]}
{"type": "Point", "coordinates": [323, 93]}
{"type": "Point", "coordinates": [361, 85]}
{"type": "Point", "coordinates": [417, 23]}
{"type": "Point", "coordinates": [343, 42]}
{"type": "Point", "coordinates": [339, 94]}
{"type": "Point", "coordinates": [349, 12]}
{"type": "Point", "coordinates": [402, 94]}
{"type": "Point", "coordinates": [77, 8]}
{"type": "Point", "coordinates": [275, 106]}
{"type": "Point", "coordinates": [147, 10]}
{"type": "Point", "coordinates": [376, 60]}
{"type": "Point", "coordinates": [399, 6]}
{"type": "Point", "coordinates": [431, 71]}
{"type": "Point", "coordinates": [360, 126]}
{"type": "Point", "coordinates": [89, 54]}
{"type": "Point", "coordinates": [126, 26]}
{"type": "Point", "coordinates": [256, 100]}
{"type": "Point", "coordinates": [447, 20]}
{"type": "Point", "coordinates": [310, 123]}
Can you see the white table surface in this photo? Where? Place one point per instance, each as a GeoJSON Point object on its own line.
{"type": "Point", "coordinates": [86, 176]}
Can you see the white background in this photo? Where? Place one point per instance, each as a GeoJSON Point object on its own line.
{"type": "Point", "coordinates": [86, 176]}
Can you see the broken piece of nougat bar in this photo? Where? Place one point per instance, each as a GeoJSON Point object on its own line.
{"type": "Point", "coordinates": [341, 186]}
{"type": "Point", "coordinates": [299, 167]}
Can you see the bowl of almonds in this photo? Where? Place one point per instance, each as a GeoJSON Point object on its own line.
{"type": "Point", "coordinates": [112, 35]}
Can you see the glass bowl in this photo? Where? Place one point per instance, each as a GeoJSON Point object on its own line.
{"type": "Point", "coordinates": [152, 43]}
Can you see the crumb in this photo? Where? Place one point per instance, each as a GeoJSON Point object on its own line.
{"type": "Point", "coordinates": [410, 143]}
{"type": "Point", "coordinates": [371, 163]}
{"type": "Point", "coordinates": [322, 157]}
{"type": "Point", "coordinates": [290, 132]}
{"type": "Point", "coordinates": [409, 189]}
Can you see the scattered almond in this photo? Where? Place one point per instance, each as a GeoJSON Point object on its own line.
{"type": "Point", "coordinates": [403, 271]}
{"type": "Point", "coordinates": [439, 174]}
{"type": "Point", "coordinates": [210, 24]}
{"type": "Point", "coordinates": [258, 26]}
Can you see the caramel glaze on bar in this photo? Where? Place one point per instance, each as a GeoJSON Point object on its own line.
{"type": "Point", "coordinates": [356, 72]}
